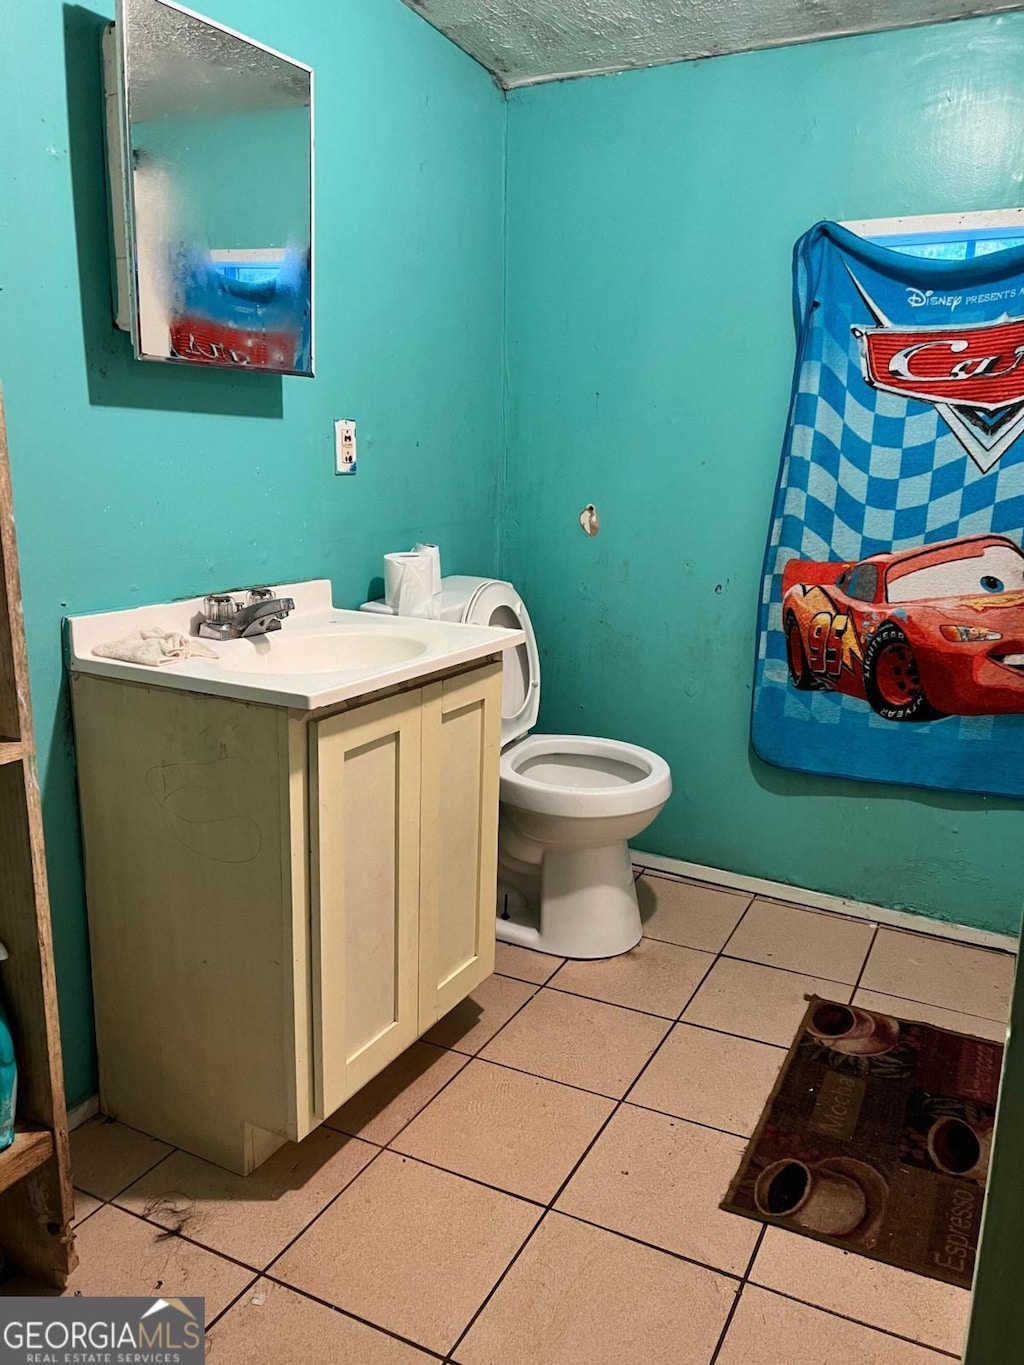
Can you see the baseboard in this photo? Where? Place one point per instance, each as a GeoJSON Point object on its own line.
{"type": "Point", "coordinates": [83, 1112]}
{"type": "Point", "coordinates": [820, 900]}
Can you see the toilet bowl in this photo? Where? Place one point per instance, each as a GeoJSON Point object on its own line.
{"type": "Point", "coordinates": [569, 805]}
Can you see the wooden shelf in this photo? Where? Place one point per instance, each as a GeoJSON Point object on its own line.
{"type": "Point", "coordinates": [31, 1147]}
{"type": "Point", "coordinates": [36, 1201]}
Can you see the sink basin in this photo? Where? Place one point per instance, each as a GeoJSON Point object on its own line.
{"type": "Point", "coordinates": [341, 651]}
{"type": "Point", "coordinates": [322, 655]}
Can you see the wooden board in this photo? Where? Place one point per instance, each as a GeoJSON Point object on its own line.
{"type": "Point", "coordinates": [36, 1201]}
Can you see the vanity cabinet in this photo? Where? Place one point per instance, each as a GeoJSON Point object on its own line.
{"type": "Point", "coordinates": [280, 902]}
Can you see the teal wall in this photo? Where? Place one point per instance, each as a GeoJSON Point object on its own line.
{"type": "Point", "coordinates": [651, 219]}
{"type": "Point", "coordinates": [137, 482]}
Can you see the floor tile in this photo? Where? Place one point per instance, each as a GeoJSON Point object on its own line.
{"type": "Point", "coordinates": [938, 972]}
{"type": "Point", "coordinates": [767, 1330]}
{"type": "Point", "coordinates": [411, 1248]}
{"type": "Point", "coordinates": [85, 1205]}
{"type": "Point", "coordinates": [917, 1012]}
{"type": "Point", "coordinates": [106, 1156]}
{"type": "Point", "coordinates": [661, 1180]}
{"type": "Point", "coordinates": [926, 1310]}
{"type": "Point", "coordinates": [476, 1019]}
{"type": "Point", "coordinates": [120, 1255]}
{"type": "Point", "coordinates": [518, 1132]}
{"type": "Point", "coordinates": [689, 913]}
{"type": "Point", "coordinates": [807, 941]}
{"type": "Point", "coordinates": [581, 1042]}
{"type": "Point", "coordinates": [524, 963]}
{"type": "Point", "coordinates": [273, 1323]}
{"type": "Point", "coordinates": [710, 1078]}
{"type": "Point", "coordinates": [758, 1002]}
{"type": "Point", "coordinates": [653, 976]}
{"type": "Point", "coordinates": [581, 1296]}
{"type": "Point", "coordinates": [251, 1217]}
{"type": "Point", "coordinates": [383, 1108]}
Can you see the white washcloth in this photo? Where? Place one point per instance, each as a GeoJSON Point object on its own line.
{"type": "Point", "coordinates": [154, 647]}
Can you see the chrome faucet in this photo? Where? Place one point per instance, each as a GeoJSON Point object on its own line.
{"type": "Point", "coordinates": [225, 618]}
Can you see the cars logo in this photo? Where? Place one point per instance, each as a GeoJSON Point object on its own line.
{"type": "Point", "coordinates": [973, 374]}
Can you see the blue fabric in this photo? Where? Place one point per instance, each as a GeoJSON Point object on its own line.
{"type": "Point", "coordinates": [866, 471]}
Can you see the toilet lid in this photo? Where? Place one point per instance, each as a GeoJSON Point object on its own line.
{"type": "Point", "coordinates": [498, 604]}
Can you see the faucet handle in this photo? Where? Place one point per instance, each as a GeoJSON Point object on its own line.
{"type": "Point", "coordinates": [260, 593]}
{"type": "Point", "coordinates": [219, 607]}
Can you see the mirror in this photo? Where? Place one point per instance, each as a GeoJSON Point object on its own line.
{"type": "Point", "coordinates": [215, 133]}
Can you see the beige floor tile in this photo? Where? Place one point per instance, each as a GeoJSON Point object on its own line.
{"type": "Point", "coordinates": [767, 1330]}
{"type": "Point", "coordinates": [581, 1042]}
{"type": "Point", "coordinates": [272, 1323]}
{"type": "Point", "coordinates": [689, 913]}
{"type": "Point", "coordinates": [758, 1002]}
{"type": "Point", "coordinates": [383, 1108]}
{"type": "Point", "coordinates": [411, 1248]}
{"type": "Point", "coordinates": [953, 975]}
{"type": "Point", "coordinates": [120, 1255]}
{"type": "Point", "coordinates": [807, 941]}
{"type": "Point", "coordinates": [656, 977]}
{"type": "Point", "coordinates": [85, 1205]}
{"type": "Point", "coordinates": [253, 1217]}
{"type": "Point", "coordinates": [917, 1012]}
{"type": "Point", "coordinates": [581, 1296]}
{"type": "Point", "coordinates": [107, 1156]}
{"type": "Point", "coordinates": [476, 1019]}
{"type": "Point", "coordinates": [518, 1132]}
{"type": "Point", "coordinates": [524, 963]}
{"type": "Point", "coordinates": [661, 1180]}
{"type": "Point", "coordinates": [710, 1078]}
{"type": "Point", "coordinates": [926, 1310]}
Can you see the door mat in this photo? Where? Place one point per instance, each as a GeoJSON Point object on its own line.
{"type": "Point", "coordinates": [876, 1139]}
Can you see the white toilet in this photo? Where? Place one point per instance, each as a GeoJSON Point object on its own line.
{"type": "Point", "coordinates": [569, 805]}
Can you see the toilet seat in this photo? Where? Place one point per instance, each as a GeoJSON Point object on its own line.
{"type": "Point", "coordinates": [548, 774]}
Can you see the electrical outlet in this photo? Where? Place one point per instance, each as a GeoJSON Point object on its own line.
{"type": "Point", "coordinates": [344, 446]}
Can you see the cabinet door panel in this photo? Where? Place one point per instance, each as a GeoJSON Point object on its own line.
{"type": "Point", "coordinates": [365, 800]}
{"type": "Point", "coordinates": [458, 866]}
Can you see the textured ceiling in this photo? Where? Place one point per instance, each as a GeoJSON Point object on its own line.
{"type": "Point", "coordinates": [522, 41]}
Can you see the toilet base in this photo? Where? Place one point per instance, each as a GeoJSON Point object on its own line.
{"type": "Point", "coordinates": [588, 906]}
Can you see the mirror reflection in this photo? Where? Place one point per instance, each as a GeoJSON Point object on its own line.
{"type": "Point", "coordinates": [219, 157]}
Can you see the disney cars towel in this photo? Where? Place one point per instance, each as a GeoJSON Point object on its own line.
{"type": "Point", "coordinates": [891, 628]}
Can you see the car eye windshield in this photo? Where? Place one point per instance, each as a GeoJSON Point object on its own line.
{"type": "Point", "coordinates": [999, 569]}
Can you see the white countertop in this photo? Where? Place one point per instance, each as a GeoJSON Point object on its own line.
{"type": "Point", "coordinates": [324, 655]}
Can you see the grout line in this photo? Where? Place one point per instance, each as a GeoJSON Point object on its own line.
{"type": "Point", "coordinates": [726, 1326]}
{"type": "Point", "coordinates": [228, 1307]}
{"type": "Point", "coordinates": [470, 1179]}
{"type": "Point", "coordinates": [950, 1009]}
{"type": "Point", "coordinates": [864, 964]}
{"type": "Point", "coordinates": [646, 1014]}
{"type": "Point", "coordinates": [858, 1322]}
{"type": "Point", "coordinates": [790, 971]}
{"type": "Point", "coordinates": [653, 1246]}
{"type": "Point", "coordinates": [135, 1178]}
{"type": "Point", "coordinates": [735, 928]}
{"type": "Point", "coordinates": [348, 1313]}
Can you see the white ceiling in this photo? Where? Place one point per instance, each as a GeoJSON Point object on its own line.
{"type": "Point", "coordinates": [524, 41]}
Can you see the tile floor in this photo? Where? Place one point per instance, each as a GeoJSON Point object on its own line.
{"type": "Point", "coordinates": [537, 1182]}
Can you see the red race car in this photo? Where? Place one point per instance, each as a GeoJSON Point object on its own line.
{"type": "Point", "coordinates": [919, 634]}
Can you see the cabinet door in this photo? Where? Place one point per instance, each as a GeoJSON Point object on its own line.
{"type": "Point", "coordinates": [365, 823]}
{"type": "Point", "coordinates": [459, 837]}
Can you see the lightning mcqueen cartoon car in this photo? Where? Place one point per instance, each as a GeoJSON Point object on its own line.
{"type": "Point", "coordinates": [918, 634]}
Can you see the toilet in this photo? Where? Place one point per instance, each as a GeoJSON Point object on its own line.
{"type": "Point", "coordinates": [569, 805]}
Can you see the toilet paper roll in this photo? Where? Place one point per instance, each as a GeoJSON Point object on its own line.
{"type": "Point", "coordinates": [433, 553]}
{"type": "Point", "coordinates": [394, 567]}
{"type": "Point", "coordinates": [410, 578]}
